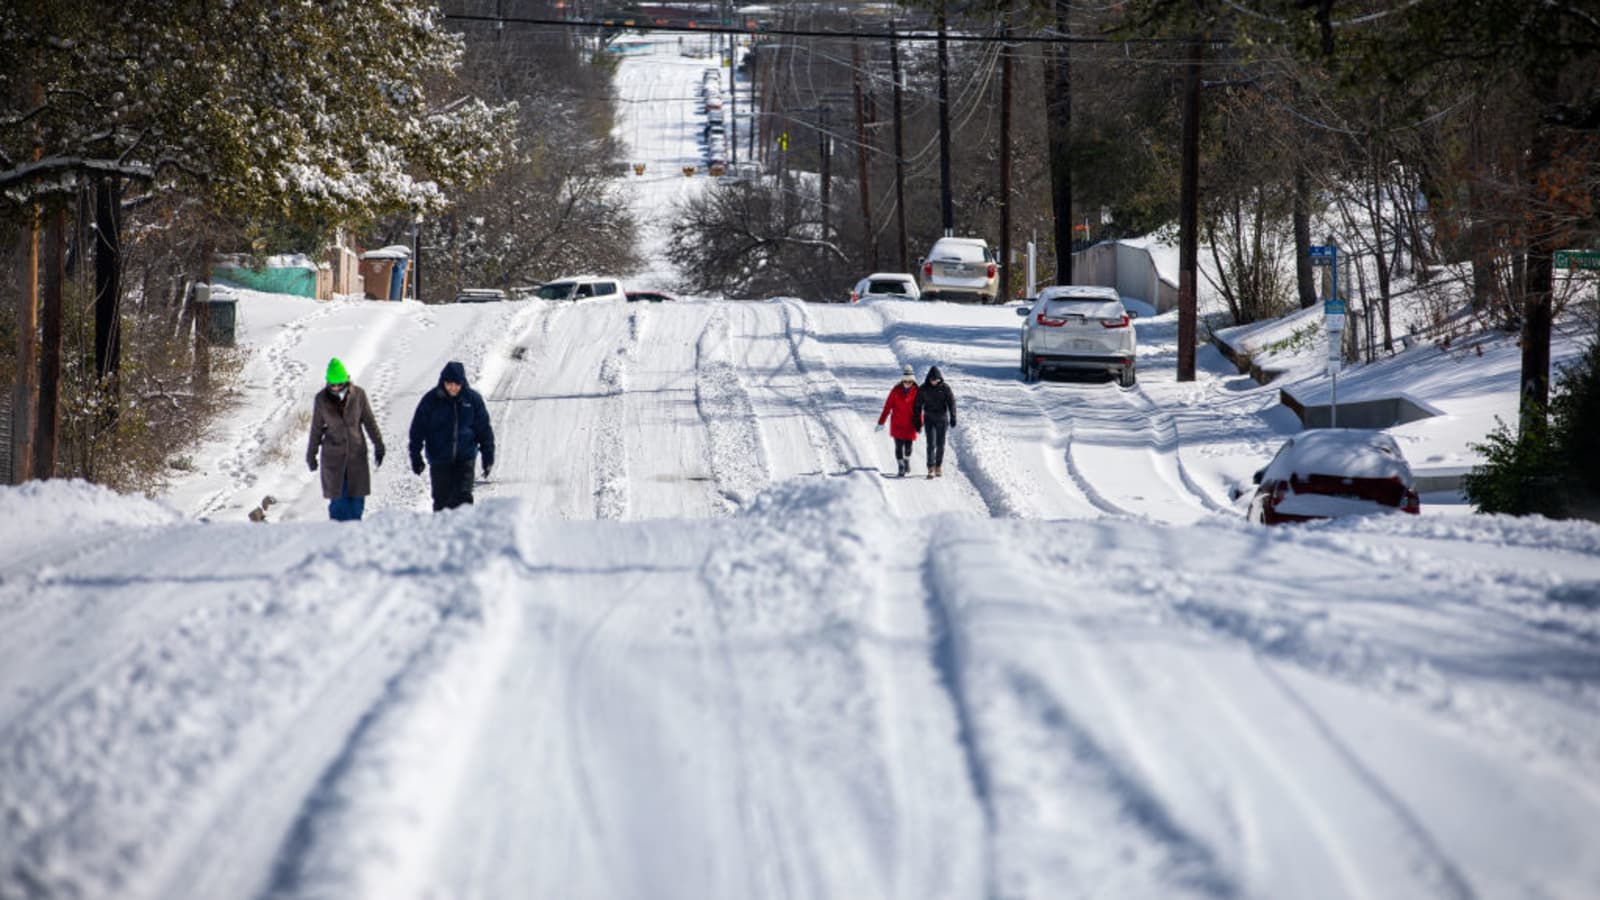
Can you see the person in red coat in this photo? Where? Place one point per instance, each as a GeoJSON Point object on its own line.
{"type": "Point", "coordinates": [900, 411]}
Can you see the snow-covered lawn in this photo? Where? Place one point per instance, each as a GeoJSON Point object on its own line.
{"type": "Point", "coordinates": [694, 642]}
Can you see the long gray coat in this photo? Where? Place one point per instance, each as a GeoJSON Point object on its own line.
{"type": "Point", "coordinates": [336, 428]}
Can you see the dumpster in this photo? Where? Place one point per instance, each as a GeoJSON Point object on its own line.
{"type": "Point", "coordinates": [397, 281]}
{"type": "Point", "coordinates": [222, 314]}
{"type": "Point", "coordinates": [383, 271]}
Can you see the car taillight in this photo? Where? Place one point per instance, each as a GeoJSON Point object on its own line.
{"type": "Point", "coordinates": [1115, 323]}
{"type": "Point", "coordinates": [1413, 503]}
{"type": "Point", "coordinates": [1048, 322]}
{"type": "Point", "coordinates": [855, 296]}
{"type": "Point", "coordinates": [992, 269]}
{"type": "Point", "coordinates": [927, 270]}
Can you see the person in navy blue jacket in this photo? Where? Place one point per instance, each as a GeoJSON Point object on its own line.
{"type": "Point", "coordinates": [451, 426]}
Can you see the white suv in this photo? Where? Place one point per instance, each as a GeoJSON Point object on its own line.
{"type": "Point", "coordinates": [960, 269]}
{"type": "Point", "coordinates": [1079, 327]}
{"type": "Point", "coordinates": [581, 287]}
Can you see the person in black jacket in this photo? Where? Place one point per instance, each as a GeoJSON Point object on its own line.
{"type": "Point", "coordinates": [936, 411]}
{"type": "Point", "coordinates": [452, 425]}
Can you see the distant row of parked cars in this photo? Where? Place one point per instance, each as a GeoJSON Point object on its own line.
{"type": "Point", "coordinates": [577, 287]}
{"type": "Point", "coordinates": [712, 137]}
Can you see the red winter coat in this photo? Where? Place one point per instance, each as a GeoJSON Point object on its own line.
{"type": "Point", "coordinates": [898, 410]}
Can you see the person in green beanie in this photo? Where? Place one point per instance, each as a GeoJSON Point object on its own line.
{"type": "Point", "coordinates": [341, 422]}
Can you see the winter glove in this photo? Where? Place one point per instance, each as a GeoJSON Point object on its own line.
{"type": "Point", "coordinates": [486, 468]}
{"type": "Point", "coordinates": [311, 463]}
{"type": "Point", "coordinates": [879, 428]}
{"type": "Point", "coordinates": [416, 465]}
{"type": "Point", "coordinates": [377, 457]}
{"type": "Point", "coordinates": [952, 423]}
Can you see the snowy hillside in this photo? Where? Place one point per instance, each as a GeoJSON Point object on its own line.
{"type": "Point", "coordinates": [694, 642]}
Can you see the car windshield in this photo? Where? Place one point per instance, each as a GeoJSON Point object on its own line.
{"type": "Point", "coordinates": [894, 286]}
{"type": "Point", "coordinates": [558, 290]}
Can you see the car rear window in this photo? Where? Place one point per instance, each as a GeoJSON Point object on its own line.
{"type": "Point", "coordinates": [893, 286]}
{"type": "Point", "coordinates": [1088, 307]}
{"type": "Point", "coordinates": [962, 252]}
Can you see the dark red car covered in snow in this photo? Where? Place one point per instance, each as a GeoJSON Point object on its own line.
{"type": "Point", "coordinates": [1326, 474]}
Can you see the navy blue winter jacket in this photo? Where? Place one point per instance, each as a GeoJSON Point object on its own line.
{"type": "Point", "coordinates": [451, 429]}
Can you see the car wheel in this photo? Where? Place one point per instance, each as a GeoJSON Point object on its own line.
{"type": "Point", "coordinates": [1128, 377]}
{"type": "Point", "coordinates": [1031, 372]}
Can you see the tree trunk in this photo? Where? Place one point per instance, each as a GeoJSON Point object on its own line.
{"type": "Point", "coordinates": [23, 399]}
{"type": "Point", "coordinates": [1479, 234]}
{"type": "Point", "coordinates": [1304, 275]}
{"type": "Point", "coordinates": [1539, 286]}
{"type": "Point", "coordinates": [47, 434]}
{"type": "Point", "coordinates": [1058, 128]}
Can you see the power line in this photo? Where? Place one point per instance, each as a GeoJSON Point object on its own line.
{"type": "Point", "coordinates": [762, 31]}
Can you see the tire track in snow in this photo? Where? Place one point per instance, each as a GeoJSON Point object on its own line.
{"type": "Point", "coordinates": [948, 658]}
{"type": "Point", "coordinates": [356, 841]}
{"type": "Point", "coordinates": [1436, 865]}
{"type": "Point", "coordinates": [737, 460]}
{"type": "Point", "coordinates": [1153, 446]}
{"type": "Point", "coordinates": [823, 392]}
{"type": "Point", "coordinates": [611, 497]}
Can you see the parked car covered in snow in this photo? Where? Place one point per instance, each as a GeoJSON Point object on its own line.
{"type": "Point", "coordinates": [885, 286]}
{"type": "Point", "coordinates": [480, 295]}
{"type": "Point", "coordinates": [1079, 327]}
{"type": "Point", "coordinates": [1330, 473]}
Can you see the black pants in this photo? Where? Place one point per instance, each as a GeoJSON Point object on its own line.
{"type": "Point", "coordinates": [452, 484]}
{"type": "Point", "coordinates": [935, 431]}
{"type": "Point", "coordinates": [902, 450]}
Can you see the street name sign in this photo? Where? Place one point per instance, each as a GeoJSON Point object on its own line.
{"type": "Point", "coordinates": [1575, 259]}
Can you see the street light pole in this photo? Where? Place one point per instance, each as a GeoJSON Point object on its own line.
{"type": "Point", "coordinates": [416, 257]}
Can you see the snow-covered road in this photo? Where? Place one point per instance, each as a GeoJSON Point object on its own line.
{"type": "Point", "coordinates": [692, 642]}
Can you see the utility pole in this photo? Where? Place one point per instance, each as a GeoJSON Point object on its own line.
{"type": "Point", "coordinates": [1189, 212]}
{"type": "Point", "coordinates": [1006, 53]}
{"type": "Point", "coordinates": [49, 415]}
{"type": "Point", "coordinates": [863, 174]}
{"type": "Point", "coordinates": [899, 151]}
{"type": "Point", "coordinates": [825, 154]}
{"type": "Point", "coordinates": [733, 100]}
{"type": "Point", "coordinates": [1058, 128]}
{"type": "Point", "coordinates": [946, 202]}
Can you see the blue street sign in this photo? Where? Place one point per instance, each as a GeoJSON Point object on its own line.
{"type": "Point", "coordinates": [1323, 253]}
{"type": "Point", "coordinates": [1333, 307]}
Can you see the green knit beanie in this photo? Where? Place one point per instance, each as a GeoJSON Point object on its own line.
{"type": "Point", "coordinates": [336, 372]}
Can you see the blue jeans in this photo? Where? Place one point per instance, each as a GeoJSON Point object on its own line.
{"type": "Point", "coordinates": [345, 508]}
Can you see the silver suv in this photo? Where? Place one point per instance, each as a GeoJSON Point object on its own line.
{"type": "Point", "coordinates": [1079, 327]}
{"type": "Point", "coordinates": [960, 269]}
